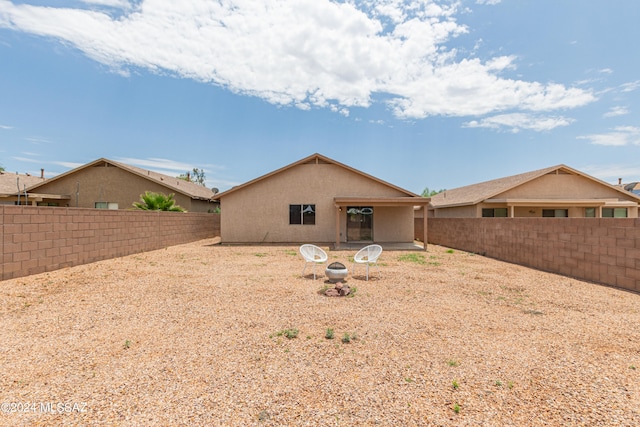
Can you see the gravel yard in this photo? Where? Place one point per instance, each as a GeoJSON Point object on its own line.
{"type": "Point", "coordinates": [202, 334]}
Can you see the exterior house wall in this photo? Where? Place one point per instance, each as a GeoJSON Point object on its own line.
{"type": "Point", "coordinates": [602, 250]}
{"type": "Point", "coordinates": [392, 224]}
{"type": "Point", "coordinates": [455, 212]}
{"type": "Point", "coordinates": [39, 239]}
{"type": "Point", "coordinates": [260, 211]}
{"type": "Point", "coordinates": [115, 185]}
{"type": "Point", "coordinates": [561, 186]}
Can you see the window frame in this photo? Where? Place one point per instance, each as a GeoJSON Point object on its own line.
{"type": "Point", "coordinates": [491, 212]}
{"type": "Point", "coordinates": [555, 213]}
{"type": "Point", "coordinates": [302, 214]}
{"type": "Point", "coordinates": [613, 212]}
{"type": "Point", "coordinates": [106, 205]}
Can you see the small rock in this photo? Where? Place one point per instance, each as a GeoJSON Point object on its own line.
{"type": "Point", "coordinates": [344, 290]}
{"type": "Point", "coordinates": [332, 292]}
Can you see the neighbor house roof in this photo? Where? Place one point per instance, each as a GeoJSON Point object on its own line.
{"type": "Point", "coordinates": [190, 189]}
{"type": "Point", "coordinates": [9, 182]}
{"type": "Point", "coordinates": [476, 193]}
{"type": "Point", "coordinates": [314, 158]}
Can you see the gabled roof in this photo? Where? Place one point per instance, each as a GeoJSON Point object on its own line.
{"type": "Point", "coordinates": [317, 159]}
{"type": "Point", "coordinates": [190, 189]}
{"type": "Point", "coordinates": [476, 193]}
{"type": "Point", "coordinates": [9, 182]}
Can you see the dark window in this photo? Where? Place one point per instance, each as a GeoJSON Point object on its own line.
{"type": "Point", "coordinates": [614, 212]}
{"type": "Point", "coordinates": [494, 212]}
{"type": "Point", "coordinates": [589, 212]}
{"type": "Point", "coordinates": [295, 214]}
{"type": "Point", "coordinates": [555, 213]}
{"type": "Point", "coordinates": [302, 214]}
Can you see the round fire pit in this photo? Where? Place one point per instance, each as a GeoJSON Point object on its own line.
{"type": "Point", "coordinates": [336, 272]}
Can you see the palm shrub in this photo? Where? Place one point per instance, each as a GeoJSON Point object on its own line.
{"type": "Point", "coordinates": [150, 201]}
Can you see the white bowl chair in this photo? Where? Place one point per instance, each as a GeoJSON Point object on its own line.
{"type": "Point", "coordinates": [367, 255]}
{"type": "Point", "coordinates": [313, 254]}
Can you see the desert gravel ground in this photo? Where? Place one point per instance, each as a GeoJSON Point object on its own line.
{"type": "Point", "coordinates": [196, 334]}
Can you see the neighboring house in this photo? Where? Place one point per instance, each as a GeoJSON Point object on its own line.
{"type": "Point", "coordinates": [105, 184]}
{"type": "Point", "coordinates": [318, 200]}
{"type": "Point", "coordinates": [14, 185]}
{"type": "Point", "coordinates": [557, 191]}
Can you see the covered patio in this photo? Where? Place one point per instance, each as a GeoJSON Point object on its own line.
{"type": "Point", "coordinates": [342, 202]}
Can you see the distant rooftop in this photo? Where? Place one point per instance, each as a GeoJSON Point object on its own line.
{"type": "Point", "coordinates": [9, 181]}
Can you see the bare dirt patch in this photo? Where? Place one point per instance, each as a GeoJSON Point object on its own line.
{"type": "Point", "coordinates": [200, 334]}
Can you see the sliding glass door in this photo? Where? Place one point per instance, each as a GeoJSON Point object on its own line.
{"type": "Point", "coordinates": [359, 224]}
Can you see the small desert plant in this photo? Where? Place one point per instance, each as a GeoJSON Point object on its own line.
{"type": "Point", "coordinates": [434, 263]}
{"type": "Point", "coordinates": [450, 251]}
{"type": "Point", "coordinates": [456, 408]}
{"type": "Point", "coordinates": [455, 384]}
{"type": "Point", "coordinates": [346, 338]}
{"type": "Point", "coordinates": [353, 292]}
{"type": "Point", "coordinates": [288, 333]}
{"type": "Point", "coordinates": [127, 344]}
{"type": "Point", "coordinates": [453, 362]}
{"type": "Point", "coordinates": [412, 257]}
{"type": "Point", "coordinates": [329, 334]}
{"type": "Point", "coordinates": [498, 383]}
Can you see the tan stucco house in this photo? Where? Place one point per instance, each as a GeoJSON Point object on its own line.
{"type": "Point", "coordinates": [318, 200]}
{"type": "Point", "coordinates": [106, 184]}
{"type": "Point", "coordinates": [557, 191]}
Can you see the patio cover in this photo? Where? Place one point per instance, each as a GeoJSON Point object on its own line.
{"type": "Point", "coordinates": [344, 201]}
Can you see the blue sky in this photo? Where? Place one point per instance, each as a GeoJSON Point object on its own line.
{"type": "Point", "coordinates": [420, 93]}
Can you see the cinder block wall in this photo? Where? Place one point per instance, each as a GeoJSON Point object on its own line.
{"type": "Point", "coordinates": [39, 239]}
{"type": "Point", "coordinates": [603, 250]}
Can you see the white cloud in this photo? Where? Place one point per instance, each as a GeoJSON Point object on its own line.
{"type": "Point", "coordinates": [619, 136]}
{"type": "Point", "coordinates": [489, 2]}
{"type": "Point", "coordinates": [631, 86]}
{"type": "Point", "coordinates": [5, 127]}
{"type": "Point", "coordinates": [26, 159]}
{"type": "Point", "coordinates": [166, 166]}
{"type": "Point", "coordinates": [616, 111]}
{"type": "Point", "coordinates": [305, 53]}
{"type": "Point", "coordinates": [516, 122]}
{"type": "Point", "coordinates": [611, 173]}
{"type": "Point", "coordinates": [70, 165]}
{"type": "Point", "coordinates": [38, 140]}
{"type": "Point", "coordinates": [122, 4]}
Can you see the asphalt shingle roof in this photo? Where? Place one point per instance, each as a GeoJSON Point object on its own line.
{"type": "Point", "coordinates": [9, 182]}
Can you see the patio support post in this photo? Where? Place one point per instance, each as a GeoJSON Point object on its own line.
{"type": "Point", "coordinates": [424, 238]}
{"type": "Point", "coordinates": [337, 226]}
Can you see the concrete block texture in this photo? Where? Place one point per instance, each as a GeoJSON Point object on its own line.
{"type": "Point", "coordinates": [39, 239]}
